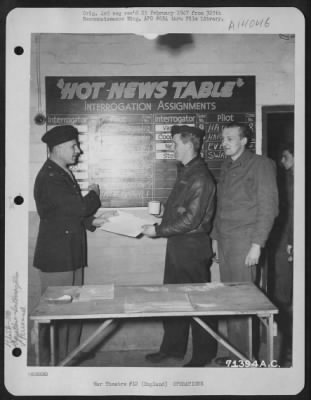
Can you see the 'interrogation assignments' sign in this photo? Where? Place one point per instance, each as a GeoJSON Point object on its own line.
{"type": "Point", "coordinates": [124, 125]}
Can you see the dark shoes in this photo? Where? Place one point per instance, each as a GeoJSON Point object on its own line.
{"type": "Point", "coordinates": [160, 356]}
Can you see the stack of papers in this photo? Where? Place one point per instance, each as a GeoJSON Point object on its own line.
{"type": "Point", "coordinates": [156, 302]}
{"type": "Point", "coordinates": [95, 292]}
{"type": "Point", "coordinates": [200, 288]}
{"type": "Point", "coordinates": [198, 300]}
{"type": "Point", "coordinates": [127, 224]}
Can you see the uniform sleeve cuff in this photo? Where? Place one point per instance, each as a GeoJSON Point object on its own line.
{"type": "Point", "coordinates": [260, 242]}
{"type": "Point", "coordinates": [157, 229]}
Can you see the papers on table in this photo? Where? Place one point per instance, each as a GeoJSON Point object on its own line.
{"type": "Point", "coordinates": [143, 302]}
{"type": "Point", "coordinates": [64, 299]}
{"type": "Point", "coordinates": [200, 287]}
{"type": "Point", "coordinates": [127, 224]}
{"type": "Point", "coordinates": [199, 301]}
{"type": "Point", "coordinates": [158, 289]}
{"type": "Point", "coordinates": [95, 292]}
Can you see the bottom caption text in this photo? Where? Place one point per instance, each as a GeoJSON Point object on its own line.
{"type": "Point", "coordinates": [147, 383]}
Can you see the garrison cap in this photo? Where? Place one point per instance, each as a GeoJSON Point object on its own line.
{"type": "Point", "coordinates": [187, 129]}
{"type": "Point", "coordinates": [60, 134]}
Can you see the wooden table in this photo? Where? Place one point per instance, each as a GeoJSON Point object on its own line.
{"type": "Point", "coordinates": [145, 301]}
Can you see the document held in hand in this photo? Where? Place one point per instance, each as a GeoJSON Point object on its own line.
{"type": "Point", "coordinates": [126, 224]}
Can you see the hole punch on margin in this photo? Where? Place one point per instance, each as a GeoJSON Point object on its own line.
{"type": "Point", "coordinates": [16, 352]}
{"type": "Point", "coordinates": [18, 50]}
{"type": "Point", "coordinates": [18, 200]}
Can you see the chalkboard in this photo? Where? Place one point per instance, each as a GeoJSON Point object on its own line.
{"type": "Point", "coordinates": [124, 127]}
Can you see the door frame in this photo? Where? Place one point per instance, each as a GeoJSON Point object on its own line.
{"type": "Point", "coordinates": [265, 112]}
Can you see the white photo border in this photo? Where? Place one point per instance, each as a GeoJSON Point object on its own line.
{"type": "Point", "coordinates": [21, 379]}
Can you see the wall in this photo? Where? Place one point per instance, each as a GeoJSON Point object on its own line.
{"type": "Point", "coordinates": [119, 259]}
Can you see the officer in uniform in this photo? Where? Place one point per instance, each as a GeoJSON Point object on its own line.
{"type": "Point", "coordinates": [60, 253]}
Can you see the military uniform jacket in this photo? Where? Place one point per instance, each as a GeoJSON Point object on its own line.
{"type": "Point", "coordinates": [247, 197]}
{"type": "Point", "coordinates": [64, 217]}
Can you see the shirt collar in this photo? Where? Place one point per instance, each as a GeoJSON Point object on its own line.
{"type": "Point", "coordinates": [184, 169]}
{"type": "Point", "coordinates": [193, 161]}
{"type": "Point", "coordinates": [242, 159]}
{"type": "Point", "coordinates": [52, 164]}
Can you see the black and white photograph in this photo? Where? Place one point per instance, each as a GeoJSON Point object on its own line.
{"type": "Point", "coordinates": [155, 199]}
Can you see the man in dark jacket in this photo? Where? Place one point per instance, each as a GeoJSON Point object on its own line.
{"type": "Point", "coordinates": [186, 223]}
{"type": "Point", "coordinates": [60, 253]}
{"type": "Point", "coordinates": [247, 204]}
{"type": "Point", "coordinates": [282, 261]}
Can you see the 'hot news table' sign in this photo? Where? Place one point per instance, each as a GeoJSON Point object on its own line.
{"type": "Point", "coordinates": [125, 122]}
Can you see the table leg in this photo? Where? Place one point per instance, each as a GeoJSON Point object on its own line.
{"type": "Point", "coordinates": [35, 338]}
{"type": "Point", "coordinates": [250, 337]}
{"type": "Point", "coordinates": [270, 353]}
{"type": "Point", "coordinates": [220, 339]}
{"type": "Point", "coordinates": [52, 342]}
{"type": "Point", "coordinates": [83, 345]}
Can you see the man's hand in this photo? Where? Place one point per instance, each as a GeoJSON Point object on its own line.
{"type": "Point", "coordinates": [98, 222]}
{"type": "Point", "coordinates": [253, 255]}
{"type": "Point", "coordinates": [162, 208]}
{"type": "Point", "coordinates": [103, 218]}
{"type": "Point", "coordinates": [290, 252]}
{"type": "Point", "coordinates": [215, 251]}
{"type": "Point", "coordinates": [107, 214]}
{"type": "Point", "coordinates": [94, 187]}
{"type": "Point", "coordinates": [149, 230]}
{"type": "Point", "coordinates": [289, 249]}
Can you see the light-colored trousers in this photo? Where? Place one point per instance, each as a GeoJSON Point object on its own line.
{"type": "Point", "coordinates": [232, 251]}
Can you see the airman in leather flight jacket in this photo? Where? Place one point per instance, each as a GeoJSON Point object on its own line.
{"type": "Point", "coordinates": [191, 204]}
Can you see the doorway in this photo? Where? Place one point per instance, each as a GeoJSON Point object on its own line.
{"type": "Point", "coordinates": [277, 129]}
